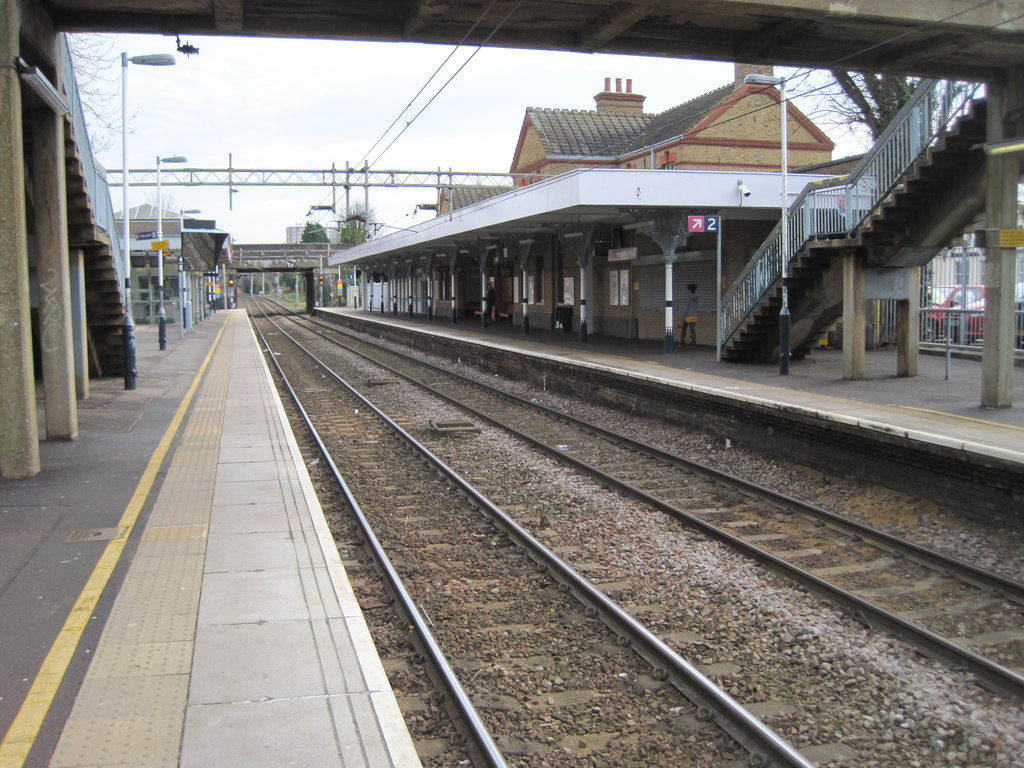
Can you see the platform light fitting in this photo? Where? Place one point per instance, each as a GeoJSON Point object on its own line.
{"type": "Point", "coordinates": [188, 49]}
{"type": "Point", "coordinates": [42, 87]}
{"type": "Point", "coordinates": [1004, 147]}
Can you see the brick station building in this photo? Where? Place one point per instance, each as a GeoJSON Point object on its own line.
{"type": "Point", "coordinates": [734, 127]}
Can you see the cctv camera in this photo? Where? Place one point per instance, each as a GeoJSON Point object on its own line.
{"type": "Point", "coordinates": [743, 189]}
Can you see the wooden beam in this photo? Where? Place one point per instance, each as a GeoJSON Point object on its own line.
{"type": "Point", "coordinates": [613, 22]}
{"type": "Point", "coordinates": [228, 15]}
{"type": "Point", "coordinates": [423, 16]}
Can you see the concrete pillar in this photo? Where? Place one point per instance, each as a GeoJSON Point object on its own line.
{"type": "Point", "coordinates": [79, 327]}
{"type": "Point", "coordinates": [19, 439]}
{"type": "Point", "coordinates": [853, 316]}
{"type": "Point", "coordinates": [310, 282]}
{"type": "Point", "coordinates": [1005, 102]}
{"type": "Point", "coordinates": [908, 328]}
{"type": "Point", "coordinates": [52, 275]}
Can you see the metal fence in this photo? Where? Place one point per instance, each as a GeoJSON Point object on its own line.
{"type": "Point", "coordinates": [953, 301]}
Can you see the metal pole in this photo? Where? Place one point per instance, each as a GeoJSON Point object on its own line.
{"type": "Point", "coordinates": [128, 328]}
{"type": "Point", "coordinates": [182, 287]}
{"type": "Point", "coordinates": [718, 288]}
{"type": "Point", "coordinates": [161, 317]}
{"type": "Point", "coordinates": [784, 311]}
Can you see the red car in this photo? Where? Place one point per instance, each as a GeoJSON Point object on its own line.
{"type": "Point", "coordinates": [962, 320]}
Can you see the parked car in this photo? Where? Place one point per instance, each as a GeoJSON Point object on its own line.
{"type": "Point", "coordinates": [954, 313]}
{"type": "Point", "coordinates": [972, 318]}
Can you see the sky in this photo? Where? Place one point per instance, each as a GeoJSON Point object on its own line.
{"type": "Point", "coordinates": [305, 104]}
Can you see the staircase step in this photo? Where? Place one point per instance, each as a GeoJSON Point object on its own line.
{"type": "Point", "coordinates": [922, 193]}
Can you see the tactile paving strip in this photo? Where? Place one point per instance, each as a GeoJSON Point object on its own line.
{"type": "Point", "coordinates": [131, 707]}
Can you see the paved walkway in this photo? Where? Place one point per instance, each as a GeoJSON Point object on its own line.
{"type": "Point", "coordinates": [234, 638]}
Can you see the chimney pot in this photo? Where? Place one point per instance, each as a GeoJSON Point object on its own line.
{"type": "Point", "coordinates": [607, 84]}
{"type": "Point", "coordinates": [629, 86]}
{"type": "Point", "coordinates": [618, 85]}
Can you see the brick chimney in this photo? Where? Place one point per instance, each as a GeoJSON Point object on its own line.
{"type": "Point", "coordinates": [742, 70]}
{"type": "Point", "coordinates": [619, 102]}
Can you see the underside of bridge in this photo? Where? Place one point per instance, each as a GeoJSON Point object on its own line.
{"type": "Point", "coordinates": [936, 38]}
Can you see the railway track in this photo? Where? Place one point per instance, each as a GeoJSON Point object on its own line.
{"type": "Point", "coordinates": [735, 513]}
{"type": "Point", "coordinates": [522, 621]}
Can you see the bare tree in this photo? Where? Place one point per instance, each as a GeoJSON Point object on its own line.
{"type": "Point", "coordinates": [359, 226]}
{"type": "Point", "coordinates": [871, 100]}
{"type": "Point", "coordinates": [98, 90]}
{"type": "Point", "coordinates": [860, 105]}
{"type": "Point", "coordinates": [857, 105]}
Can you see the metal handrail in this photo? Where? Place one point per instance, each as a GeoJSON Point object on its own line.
{"type": "Point", "coordinates": [839, 206]}
{"type": "Point", "coordinates": [96, 186]}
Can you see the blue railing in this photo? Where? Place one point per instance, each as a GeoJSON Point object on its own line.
{"type": "Point", "coordinates": [837, 207]}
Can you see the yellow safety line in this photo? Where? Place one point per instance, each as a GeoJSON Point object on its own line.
{"type": "Point", "coordinates": [22, 734]}
{"type": "Point", "coordinates": [964, 418]}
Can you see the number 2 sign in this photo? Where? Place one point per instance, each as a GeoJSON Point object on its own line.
{"type": "Point", "coordinates": [695, 224]}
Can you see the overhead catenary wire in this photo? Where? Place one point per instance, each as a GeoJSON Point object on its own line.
{"type": "Point", "coordinates": [832, 65]}
{"type": "Point", "coordinates": [449, 80]}
{"type": "Point", "coordinates": [618, 145]}
{"type": "Point", "coordinates": [430, 79]}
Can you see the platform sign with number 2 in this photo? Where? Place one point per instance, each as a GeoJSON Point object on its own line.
{"type": "Point", "coordinates": [709, 224]}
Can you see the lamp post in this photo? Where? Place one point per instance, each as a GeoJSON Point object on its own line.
{"type": "Point", "coordinates": [160, 314]}
{"type": "Point", "coordinates": [149, 60]}
{"type": "Point", "coordinates": [183, 306]}
{"type": "Point", "coordinates": [756, 79]}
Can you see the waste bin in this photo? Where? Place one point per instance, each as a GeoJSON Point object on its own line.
{"type": "Point", "coordinates": [563, 319]}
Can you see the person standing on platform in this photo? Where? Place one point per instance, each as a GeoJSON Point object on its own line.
{"type": "Point", "coordinates": [690, 310]}
{"type": "Point", "coordinates": [492, 299]}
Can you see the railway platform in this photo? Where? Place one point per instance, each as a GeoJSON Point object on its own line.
{"type": "Point", "coordinates": [169, 590]}
{"type": "Point", "coordinates": [170, 594]}
{"type": "Point", "coordinates": [939, 406]}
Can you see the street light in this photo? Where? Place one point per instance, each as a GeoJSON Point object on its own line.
{"type": "Point", "coordinates": [183, 307]}
{"type": "Point", "coordinates": [149, 60]}
{"type": "Point", "coordinates": [756, 79]}
{"type": "Point", "coordinates": [161, 316]}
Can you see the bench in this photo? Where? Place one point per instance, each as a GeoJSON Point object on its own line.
{"type": "Point", "coordinates": [505, 310]}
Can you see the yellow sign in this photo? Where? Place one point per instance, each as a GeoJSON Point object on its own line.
{"type": "Point", "coordinates": [160, 245]}
{"type": "Point", "coordinates": [1011, 238]}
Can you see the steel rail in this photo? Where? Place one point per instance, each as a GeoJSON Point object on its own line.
{"type": "Point", "coordinates": [766, 748]}
{"type": "Point", "coordinates": [1008, 588]}
{"type": "Point", "coordinates": [481, 737]}
{"type": "Point", "coordinates": [993, 676]}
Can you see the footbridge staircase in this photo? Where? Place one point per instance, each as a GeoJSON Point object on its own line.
{"type": "Point", "coordinates": [920, 185]}
{"type": "Point", "coordinates": [92, 228]}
